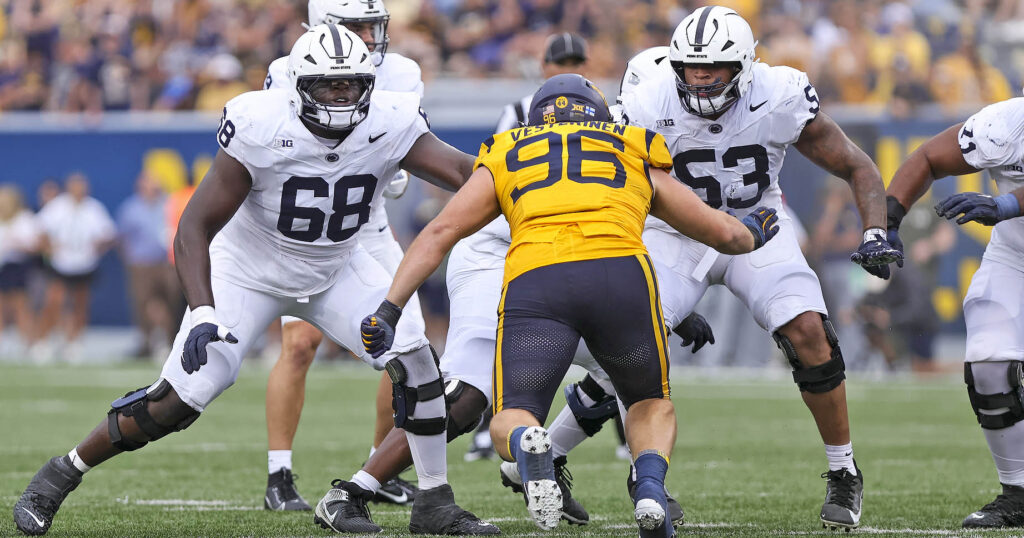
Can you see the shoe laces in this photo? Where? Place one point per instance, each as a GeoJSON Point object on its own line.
{"type": "Point", "coordinates": [1004, 504]}
{"type": "Point", "coordinates": [47, 506]}
{"type": "Point", "coordinates": [357, 502]}
{"type": "Point", "coordinates": [287, 487]}
{"type": "Point", "coordinates": [402, 483]}
{"type": "Point", "coordinates": [562, 475]}
{"type": "Point", "coordinates": [841, 490]}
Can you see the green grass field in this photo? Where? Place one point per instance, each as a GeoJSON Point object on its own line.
{"type": "Point", "coordinates": [747, 462]}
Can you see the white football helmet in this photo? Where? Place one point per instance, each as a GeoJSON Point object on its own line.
{"type": "Point", "coordinates": [326, 56]}
{"type": "Point", "coordinates": [713, 35]}
{"type": "Point", "coordinates": [346, 11]}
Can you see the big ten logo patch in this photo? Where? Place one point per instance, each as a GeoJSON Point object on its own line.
{"type": "Point", "coordinates": [577, 108]}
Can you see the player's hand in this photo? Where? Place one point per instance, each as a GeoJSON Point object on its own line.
{"type": "Point", "coordinates": [763, 225]}
{"type": "Point", "coordinates": [695, 330]}
{"type": "Point", "coordinates": [378, 329]}
{"type": "Point", "coordinates": [205, 329]}
{"type": "Point", "coordinates": [978, 207]}
{"type": "Point", "coordinates": [396, 187]}
{"type": "Point", "coordinates": [876, 253]}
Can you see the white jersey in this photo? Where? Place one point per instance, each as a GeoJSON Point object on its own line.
{"type": "Point", "coordinates": [732, 162]}
{"type": "Point", "coordinates": [993, 140]}
{"type": "Point", "coordinates": [294, 231]}
{"type": "Point", "coordinates": [397, 74]}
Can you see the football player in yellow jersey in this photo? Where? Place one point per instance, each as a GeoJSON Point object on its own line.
{"type": "Point", "coordinates": [575, 190]}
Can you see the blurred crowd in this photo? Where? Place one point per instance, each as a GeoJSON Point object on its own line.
{"type": "Point", "coordinates": [79, 55]}
{"type": "Point", "coordinates": [50, 253]}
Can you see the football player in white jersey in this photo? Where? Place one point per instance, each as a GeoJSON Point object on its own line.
{"type": "Point", "coordinates": [300, 339]}
{"type": "Point", "coordinates": [271, 231]}
{"type": "Point", "coordinates": [992, 140]}
{"type": "Point", "coordinates": [728, 120]}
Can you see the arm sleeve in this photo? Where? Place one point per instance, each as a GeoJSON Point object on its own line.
{"type": "Point", "coordinates": [987, 138]}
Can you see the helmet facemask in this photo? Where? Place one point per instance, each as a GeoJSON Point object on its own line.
{"type": "Point", "coordinates": [707, 99]}
{"type": "Point", "coordinates": [335, 102]}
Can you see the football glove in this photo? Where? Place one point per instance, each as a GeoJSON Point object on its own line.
{"type": "Point", "coordinates": [695, 330]}
{"type": "Point", "coordinates": [980, 208]}
{"type": "Point", "coordinates": [763, 225]}
{"type": "Point", "coordinates": [876, 253]}
{"type": "Point", "coordinates": [378, 329]}
{"type": "Point", "coordinates": [396, 187]}
{"type": "Point", "coordinates": [205, 329]}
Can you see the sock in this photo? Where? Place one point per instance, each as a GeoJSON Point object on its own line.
{"type": "Point", "coordinates": [429, 452]}
{"type": "Point", "coordinates": [366, 481]}
{"type": "Point", "coordinates": [840, 457]}
{"type": "Point", "coordinates": [649, 469]}
{"type": "Point", "coordinates": [513, 442]}
{"type": "Point", "coordinates": [76, 460]}
{"type": "Point", "coordinates": [278, 459]}
{"type": "Point", "coordinates": [565, 433]}
{"type": "Point", "coordinates": [482, 439]}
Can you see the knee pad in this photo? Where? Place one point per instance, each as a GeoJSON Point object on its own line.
{"type": "Point", "coordinates": [1012, 401]}
{"type": "Point", "coordinates": [405, 398]}
{"type": "Point", "coordinates": [135, 405]}
{"type": "Point", "coordinates": [592, 418]}
{"type": "Point", "coordinates": [465, 404]}
{"type": "Point", "coordinates": [823, 377]}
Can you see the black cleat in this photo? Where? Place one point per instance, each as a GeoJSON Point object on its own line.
{"type": "Point", "coordinates": [675, 510]}
{"type": "Point", "coordinates": [1007, 510]}
{"type": "Point", "coordinates": [281, 493]}
{"type": "Point", "coordinates": [343, 509]}
{"type": "Point", "coordinates": [34, 511]}
{"type": "Point", "coordinates": [395, 491]}
{"type": "Point", "coordinates": [435, 512]}
{"type": "Point", "coordinates": [572, 511]}
{"type": "Point", "coordinates": [843, 495]}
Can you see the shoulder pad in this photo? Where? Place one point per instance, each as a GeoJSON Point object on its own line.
{"type": "Point", "coordinates": [277, 74]}
{"type": "Point", "coordinates": [400, 74]}
{"type": "Point", "coordinates": [993, 136]}
{"type": "Point", "coordinates": [255, 119]}
{"type": "Point", "coordinates": [643, 105]}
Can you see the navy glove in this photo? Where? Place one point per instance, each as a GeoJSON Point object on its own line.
{"type": "Point", "coordinates": [763, 225]}
{"type": "Point", "coordinates": [205, 329]}
{"type": "Point", "coordinates": [876, 253]}
{"type": "Point", "coordinates": [378, 329]}
{"type": "Point", "coordinates": [695, 330]}
{"type": "Point", "coordinates": [980, 208]}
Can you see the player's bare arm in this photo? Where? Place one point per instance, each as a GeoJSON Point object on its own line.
{"type": "Point", "coordinates": [826, 145]}
{"type": "Point", "coordinates": [684, 211]}
{"type": "Point", "coordinates": [469, 210]}
{"type": "Point", "coordinates": [937, 158]}
{"type": "Point", "coordinates": [438, 163]}
{"type": "Point", "coordinates": [215, 201]}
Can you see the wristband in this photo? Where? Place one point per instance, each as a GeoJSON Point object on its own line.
{"type": "Point", "coordinates": [894, 212]}
{"type": "Point", "coordinates": [1007, 206]}
{"type": "Point", "coordinates": [203, 314]}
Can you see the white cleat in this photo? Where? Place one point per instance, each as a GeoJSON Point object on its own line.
{"type": "Point", "coordinates": [649, 514]}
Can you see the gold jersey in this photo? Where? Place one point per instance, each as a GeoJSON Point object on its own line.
{"type": "Point", "coordinates": [573, 191]}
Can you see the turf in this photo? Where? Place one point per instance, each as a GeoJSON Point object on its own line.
{"type": "Point", "coordinates": [747, 462]}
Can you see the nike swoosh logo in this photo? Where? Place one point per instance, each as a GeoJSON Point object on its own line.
{"type": "Point", "coordinates": [397, 499]}
{"type": "Point", "coordinates": [382, 228]}
{"type": "Point", "coordinates": [977, 516]}
{"type": "Point", "coordinates": [330, 515]}
{"type": "Point", "coordinates": [376, 138]}
{"type": "Point", "coordinates": [848, 453]}
{"type": "Point", "coordinates": [754, 108]}
{"type": "Point", "coordinates": [38, 521]}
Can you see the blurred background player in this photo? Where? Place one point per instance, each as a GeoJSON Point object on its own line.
{"type": "Point", "coordinates": [299, 339]}
{"type": "Point", "coordinates": [576, 270]}
{"type": "Point", "coordinates": [992, 140]}
{"type": "Point", "coordinates": [19, 240]}
{"type": "Point", "coordinates": [563, 53]}
{"type": "Point", "coordinates": [729, 120]}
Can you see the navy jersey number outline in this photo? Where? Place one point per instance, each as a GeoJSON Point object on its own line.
{"type": "Point", "coordinates": [226, 131]}
{"type": "Point", "coordinates": [971, 146]}
{"type": "Point", "coordinates": [553, 158]}
{"type": "Point", "coordinates": [341, 208]}
{"type": "Point", "coordinates": [730, 159]}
